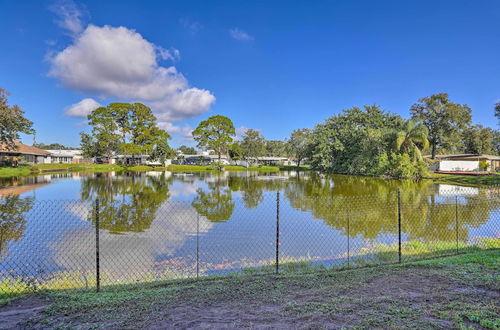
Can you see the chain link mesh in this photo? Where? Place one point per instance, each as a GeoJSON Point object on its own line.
{"type": "Point", "coordinates": [54, 244]}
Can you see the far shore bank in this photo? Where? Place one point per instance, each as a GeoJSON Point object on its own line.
{"type": "Point", "coordinates": [27, 170]}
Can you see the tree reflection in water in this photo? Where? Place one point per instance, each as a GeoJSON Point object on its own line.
{"type": "Point", "coordinates": [128, 202]}
{"type": "Point", "coordinates": [12, 219]}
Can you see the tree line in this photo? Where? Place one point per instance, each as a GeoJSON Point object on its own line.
{"type": "Point", "coordinates": [361, 140]}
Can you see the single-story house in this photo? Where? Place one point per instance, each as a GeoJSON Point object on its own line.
{"type": "Point", "coordinates": [467, 162]}
{"type": "Point", "coordinates": [25, 153]}
{"type": "Point", "coordinates": [66, 156]}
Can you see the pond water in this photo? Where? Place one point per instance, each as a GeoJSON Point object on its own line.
{"type": "Point", "coordinates": [160, 224]}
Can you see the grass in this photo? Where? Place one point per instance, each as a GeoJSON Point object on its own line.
{"type": "Point", "coordinates": [466, 180]}
{"type": "Point", "coordinates": [208, 168]}
{"type": "Point", "coordinates": [6, 172]}
{"type": "Point", "coordinates": [454, 292]}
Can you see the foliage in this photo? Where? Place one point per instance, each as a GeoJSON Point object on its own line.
{"type": "Point", "coordinates": [235, 151]}
{"type": "Point", "coordinates": [411, 139]}
{"type": "Point", "coordinates": [478, 140]}
{"type": "Point", "coordinates": [444, 119]}
{"type": "Point", "coordinates": [299, 144]}
{"type": "Point", "coordinates": [126, 128]}
{"type": "Point", "coordinates": [483, 165]}
{"type": "Point", "coordinates": [187, 150]}
{"type": "Point", "coordinates": [52, 146]}
{"type": "Point", "coordinates": [253, 144]}
{"type": "Point", "coordinates": [12, 122]}
{"type": "Point", "coordinates": [497, 110]}
{"type": "Point", "coordinates": [276, 148]}
{"type": "Point", "coordinates": [215, 133]}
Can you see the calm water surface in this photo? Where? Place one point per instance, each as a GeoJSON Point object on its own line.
{"type": "Point", "coordinates": [161, 223]}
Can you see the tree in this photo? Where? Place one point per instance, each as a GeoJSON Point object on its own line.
{"type": "Point", "coordinates": [276, 148]}
{"type": "Point", "coordinates": [478, 140]}
{"type": "Point", "coordinates": [411, 138]}
{"type": "Point", "coordinates": [126, 128]}
{"type": "Point", "coordinates": [215, 133]}
{"type": "Point", "coordinates": [253, 144]}
{"type": "Point", "coordinates": [12, 123]}
{"type": "Point", "coordinates": [442, 118]}
{"type": "Point", "coordinates": [104, 131]}
{"type": "Point", "coordinates": [235, 151]}
{"type": "Point", "coordinates": [299, 144]}
{"type": "Point", "coordinates": [52, 146]}
{"type": "Point", "coordinates": [497, 110]}
{"type": "Point", "coordinates": [187, 150]}
{"type": "Point", "coordinates": [363, 142]}
{"type": "Point", "coordinates": [90, 147]}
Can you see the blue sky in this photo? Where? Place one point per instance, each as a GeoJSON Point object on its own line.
{"type": "Point", "coordinates": [269, 65]}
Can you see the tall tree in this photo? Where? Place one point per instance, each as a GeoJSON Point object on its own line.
{"type": "Point", "coordinates": [497, 111]}
{"type": "Point", "coordinates": [299, 144]}
{"type": "Point", "coordinates": [442, 118]}
{"type": "Point", "coordinates": [276, 148]}
{"type": "Point", "coordinates": [126, 128]}
{"type": "Point", "coordinates": [105, 131]}
{"type": "Point", "coordinates": [12, 122]}
{"type": "Point", "coordinates": [412, 138]}
{"type": "Point", "coordinates": [253, 144]}
{"type": "Point", "coordinates": [478, 140]}
{"type": "Point", "coordinates": [215, 133]}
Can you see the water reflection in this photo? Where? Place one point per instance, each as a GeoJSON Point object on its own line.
{"type": "Point", "coordinates": [128, 203]}
{"type": "Point", "coordinates": [157, 221]}
{"type": "Point", "coordinates": [12, 220]}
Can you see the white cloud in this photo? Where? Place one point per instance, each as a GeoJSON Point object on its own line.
{"type": "Point", "coordinates": [240, 35]}
{"type": "Point", "coordinates": [185, 131]}
{"type": "Point", "coordinates": [187, 103]}
{"type": "Point", "coordinates": [119, 62]}
{"type": "Point", "coordinates": [82, 108]}
{"type": "Point", "coordinates": [192, 26]}
{"type": "Point", "coordinates": [69, 15]}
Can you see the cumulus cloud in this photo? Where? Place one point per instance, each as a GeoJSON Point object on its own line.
{"type": "Point", "coordinates": [82, 108]}
{"type": "Point", "coordinates": [118, 62]}
{"type": "Point", "coordinates": [69, 16]}
{"type": "Point", "coordinates": [240, 35]}
{"type": "Point", "coordinates": [185, 131]}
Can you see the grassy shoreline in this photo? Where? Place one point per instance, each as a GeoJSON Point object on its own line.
{"type": "Point", "coordinates": [452, 292]}
{"type": "Point", "coordinates": [466, 180]}
{"type": "Point", "coordinates": [25, 170]}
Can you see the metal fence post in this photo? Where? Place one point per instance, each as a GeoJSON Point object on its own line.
{"type": "Point", "coordinates": [197, 245]}
{"type": "Point", "coordinates": [97, 261]}
{"type": "Point", "coordinates": [399, 225]}
{"type": "Point", "coordinates": [456, 220]}
{"type": "Point", "coordinates": [348, 242]}
{"type": "Point", "coordinates": [277, 231]}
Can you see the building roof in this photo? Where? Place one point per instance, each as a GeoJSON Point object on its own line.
{"type": "Point", "coordinates": [65, 153]}
{"type": "Point", "coordinates": [467, 156]}
{"type": "Point", "coordinates": [24, 149]}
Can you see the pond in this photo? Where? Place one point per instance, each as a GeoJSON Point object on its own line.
{"type": "Point", "coordinates": [156, 225]}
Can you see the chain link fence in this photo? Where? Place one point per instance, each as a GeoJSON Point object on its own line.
{"type": "Point", "coordinates": [105, 244]}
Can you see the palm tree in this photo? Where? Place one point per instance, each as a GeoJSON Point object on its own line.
{"type": "Point", "coordinates": [413, 135]}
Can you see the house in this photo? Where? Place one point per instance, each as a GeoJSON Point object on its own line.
{"type": "Point", "coordinates": [467, 162]}
{"type": "Point", "coordinates": [66, 156]}
{"type": "Point", "coordinates": [24, 153]}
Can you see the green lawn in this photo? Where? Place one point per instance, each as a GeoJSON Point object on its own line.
{"type": "Point", "coordinates": [6, 172]}
{"type": "Point", "coordinates": [454, 292]}
{"type": "Point", "coordinates": [466, 180]}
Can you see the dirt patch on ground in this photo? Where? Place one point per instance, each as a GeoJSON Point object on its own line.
{"type": "Point", "coordinates": [17, 313]}
{"type": "Point", "coordinates": [412, 297]}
